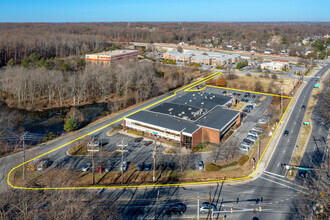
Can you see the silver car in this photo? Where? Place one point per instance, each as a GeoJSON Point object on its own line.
{"type": "Point", "coordinates": [86, 167]}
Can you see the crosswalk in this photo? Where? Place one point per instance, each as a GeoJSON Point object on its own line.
{"type": "Point", "coordinates": [282, 181]}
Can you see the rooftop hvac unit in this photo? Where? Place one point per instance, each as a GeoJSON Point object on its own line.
{"type": "Point", "coordinates": [193, 94]}
{"type": "Point", "coordinates": [189, 109]}
{"type": "Point", "coordinates": [190, 100]}
{"type": "Point", "coordinates": [205, 97]}
{"type": "Point", "coordinates": [202, 103]}
{"type": "Point", "coordinates": [171, 109]}
{"type": "Point", "coordinates": [185, 103]}
{"type": "Point", "coordinates": [179, 114]}
{"type": "Point", "coordinates": [183, 113]}
{"type": "Point", "coordinates": [185, 117]}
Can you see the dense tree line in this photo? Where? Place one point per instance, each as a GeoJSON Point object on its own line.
{"type": "Point", "coordinates": [18, 41]}
{"type": "Point", "coordinates": [128, 83]}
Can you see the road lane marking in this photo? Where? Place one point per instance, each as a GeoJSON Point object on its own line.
{"type": "Point", "coordinates": [282, 184]}
{"type": "Point", "coordinates": [285, 181]}
{"type": "Point", "coordinates": [274, 174]}
{"type": "Point", "coordinates": [283, 151]}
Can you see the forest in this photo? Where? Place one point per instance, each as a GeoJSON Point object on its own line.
{"type": "Point", "coordinates": [50, 40]}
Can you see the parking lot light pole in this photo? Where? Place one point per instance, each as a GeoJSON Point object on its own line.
{"type": "Point", "coordinates": [122, 160]}
{"type": "Point", "coordinates": [154, 170]}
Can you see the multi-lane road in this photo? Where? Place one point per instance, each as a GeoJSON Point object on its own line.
{"type": "Point", "coordinates": [272, 192]}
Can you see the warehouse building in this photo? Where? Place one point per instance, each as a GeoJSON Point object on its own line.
{"type": "Point", "coordinates": [188, 119]}
{"type": "Point", "coordinates": [110, 57]}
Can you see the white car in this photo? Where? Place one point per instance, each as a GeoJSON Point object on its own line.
{"type": "Point", "coordinates": [243, 147]}
{"type": "Point", "coordinates": [86, 167]}
{"type": "Point", "coordinates": [262, 121]}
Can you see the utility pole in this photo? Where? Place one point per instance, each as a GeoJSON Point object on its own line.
{"type": "Point", "coordinates": [154, 170]}
{"type": "Point", "coordinates": [281, 100]}
{"type": "Point", "coordinates": [23, 139]}
{"type": "Point", "coordinates": [156, 204]}
{"type": "Point", "coordinates": [210, 201]}
{"type": "Point", "coordinates": [93, 160]}
{"type": "Point", "coordinates": [258, 149]}
{"type": "Point", "coordinates": [122, 160]}
{"type": "Point", "coordinates": [198, 208]}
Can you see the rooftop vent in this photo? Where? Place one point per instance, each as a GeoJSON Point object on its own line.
{"type": "Point", "coordinates": [185, 103]}
{"type": "Point", "coordinates": [189, 109]}
{"type": "Point", "coordinates": [202, 103]}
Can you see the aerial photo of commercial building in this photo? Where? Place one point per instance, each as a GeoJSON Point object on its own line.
{"type": "Point", "coordinates": [109, 57]}
{"type": "Point", "coordinates": [189, 119]}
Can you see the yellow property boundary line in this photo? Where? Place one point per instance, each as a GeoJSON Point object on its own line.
{"type": "Point", "coordinates": [186, 88]}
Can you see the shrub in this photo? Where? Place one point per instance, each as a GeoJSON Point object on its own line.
{"type": "Point", "coordinates": [212, 167]}
{"type": "Point", "coordinates": [70, 125]}
{"type": "Point", "coordinates": [228, 165]}
{"type": "Point", "coordinates": [198, 147]}
{"type": "Point", "coordinates": [243, 159]}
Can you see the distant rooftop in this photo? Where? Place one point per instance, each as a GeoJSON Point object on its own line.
{"type": "Point", "coordinates": [115, 52]}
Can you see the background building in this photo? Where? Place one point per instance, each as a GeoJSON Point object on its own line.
{"type": "Point", "coordinates": [108, 57]}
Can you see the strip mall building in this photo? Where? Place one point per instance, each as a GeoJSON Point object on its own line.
{"type": "Point", "coordinates": [190, 119]}
{"type": "Point", "coordinates": [109, 57]}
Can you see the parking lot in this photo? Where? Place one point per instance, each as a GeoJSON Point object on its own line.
{"type": "Point", "coordinates": [139, 151]}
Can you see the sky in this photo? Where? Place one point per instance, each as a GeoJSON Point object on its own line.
{"type": "Point", "coordinates": [164, 11]}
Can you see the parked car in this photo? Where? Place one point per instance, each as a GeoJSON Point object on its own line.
{"type": "Point", "coordinates": [262, 121]}
{"type": "Point", "coordinates": [238, 94]}
{"type": "Point", "coordinates": [246, 100]}
{"type": "Point", "coordinates": [86, 167]}
{"type": "Point", "coordinates": [200, 165]}
{"type": "Point", "coordinates": [246, 110]}
{"type": "Point", "coordinates": [246, 144]}
{"type": "Point", "coordinates": [253, 96]}
{"type": "Point", "coordinates": [44, 164]}
{"type": "Point", "coordinates": [286, 133]}
{"type": "Point", "coordinates": [124, 167]}
{"type": "Point", "coordinates": [257, 128]}
{"type": "Point", "coordinates": [234, 94]}
{"type": "Point", "coordinates": [147, 167]}
{"type": "Point", "coordinates": [250, 107]}
{"type": "Point", "coordinates": [147, 143]}
{"type": "Point", "coordinates": [242, 100]}
{"type": "Point", "coordinates": [246, 140]}
{"type": "Point", "coordinates": [252, 138]}
{"type": "Point", "coordinates": [179, 208]}
{"type": "Point", "coordinates": [140, 167]}
{"type": "Point", "coordinates": [205, 207]}
{"type": "Point", "coordinates": [244, 147]}
{"type": "Point", "coordinates": [224, 92]}
{"type": "Point", "coordinates": [100, 169]}
{"type": "Point", "coordinates": [303, 107]}
{"type": "Point", "coordinates": [254, 133]}
{"type": "Point", "coordinates": [138, 140]}
{"type": "Point", "coordinates": [243, 115]}
{"type": "Point", "coordinates": [108, 166]}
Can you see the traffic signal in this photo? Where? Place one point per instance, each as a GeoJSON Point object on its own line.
{"type": "Point", "coordinates": [231, 210]}
{"type": "Point", "coordinates": [259, 208]}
